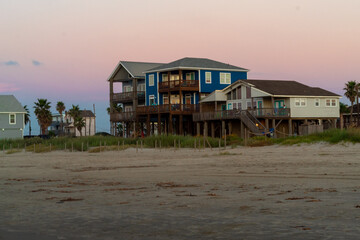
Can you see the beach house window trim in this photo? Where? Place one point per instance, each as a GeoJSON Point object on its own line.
{"type": "Point", "coordinates": [225, 78]}
{"type": "Point", "coordinates": [151, 100]}
{"type": "Point", "coordinates": [208, 77]}
{"type": "Point", "coordinates": [151, 80]}
{"type": "Point", "coordinates": [317, 102]}
{"type": "Point", "coordinates": [12, 118]}
{"type": "Point", "coordinates": [300, 102]}
{"type": "Point", "coordinates": [330, 102]}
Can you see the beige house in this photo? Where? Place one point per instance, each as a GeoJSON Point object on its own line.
{"type": "Point", "coordinates": [284, 107]}
{"type": "Point", "coordinates": [90, 124]}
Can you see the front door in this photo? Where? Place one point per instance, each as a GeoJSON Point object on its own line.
{"type": "Point", "coordinates": [259, 108]}
{"type": "Point", "coordinates": [279, 103]}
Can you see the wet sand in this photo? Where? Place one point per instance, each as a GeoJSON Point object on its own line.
{"type": "Point", "coordinates": [273, 192]}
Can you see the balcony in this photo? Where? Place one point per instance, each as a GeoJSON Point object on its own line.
{"type": "Point", "coordinates": [128, 96]}
{"type": "Point", "coordinates": [177, 85]}
{"type": "Point", "coordinates": [235, 114]}
{"type": "Point", "coordinates": [122, 117]}
{"type": "Point", "coordinates": [168, 108]}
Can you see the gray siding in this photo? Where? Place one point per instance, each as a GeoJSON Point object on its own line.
{"type": "Point", "coordinates": [11, 130]}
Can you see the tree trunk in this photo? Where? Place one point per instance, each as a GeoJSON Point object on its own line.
{"type": "Point", "coordinates": [351, 113]}
{"type": "Point", "coordinates": [358, 117]}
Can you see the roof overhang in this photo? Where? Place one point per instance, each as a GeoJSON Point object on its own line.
{"type": "Point", "coordinates": [196, 68]}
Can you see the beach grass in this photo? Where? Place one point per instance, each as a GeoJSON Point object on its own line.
{"type": "Point", "coordinates": [110, 143]}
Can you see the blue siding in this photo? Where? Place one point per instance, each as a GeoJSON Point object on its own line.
{"type": "Point", "coordinates": [215, 80]}
{"type": "Point", "coordinates": [151, 90]}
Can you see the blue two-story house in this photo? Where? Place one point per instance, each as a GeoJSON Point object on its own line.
{"type": "Point", "coordinates": [173, 90]}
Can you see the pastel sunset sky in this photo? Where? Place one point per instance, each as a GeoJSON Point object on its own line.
{"type": "Point", "coordinates": [64, 50]}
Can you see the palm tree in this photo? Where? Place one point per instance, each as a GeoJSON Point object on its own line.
{"type": "Point", "coordinates": [116, 108]}
{"type": "Point", "coordinates": [27, 118]}
{"type": "Point", "coordinates": [79, 123]}
{"type": "Point", "coordinates": [74, 113]}
{"type": "Point", "coordinates": [350, 93]}
{"type": "Point", "coordinates": [43, 114]}
{"type": "Point", "coordinates": [60, 107]}
{"type": "Point", "coordinates": [357, 88]}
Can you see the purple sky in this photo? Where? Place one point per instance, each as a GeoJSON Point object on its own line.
{"type": "Point", "coordinates": [64, 50]}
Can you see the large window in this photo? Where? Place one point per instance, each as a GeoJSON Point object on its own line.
{"type": "Point", "coordinates": [190, 76]}
{"type": "Point", "coordinates": [165, 99]}
{"type": "Point", "coordinates": [151, 80]}
{"type": "Point", "coordinates": [165, 77]}
{"type": "Point", "coordinates": [12, 118]}
{"type": "Point", "coordinates": [225, 78]}
{"type": "Point", "coordinates": [300, 102]}
{"type": "Point", "coordinates": [248, 92]}
{"type": "Point", "coordinates": [330, 102]}
{"type": "Point", "coordinates": [208, 77]}
{"type": "Point", "coordinates": [238, 93]}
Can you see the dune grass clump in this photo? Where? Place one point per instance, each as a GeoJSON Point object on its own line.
{"type": "Point", "coordinates": [12, 151]}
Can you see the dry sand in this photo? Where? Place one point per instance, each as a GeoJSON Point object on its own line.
{"type": "Point", "coordinates": [273, 192]}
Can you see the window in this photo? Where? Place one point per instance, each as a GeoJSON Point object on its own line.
{"type": "Point", "coordinates": [230, 107]}
{"type": "Point", "coordinates": [141, 87]}
{"type": "Point", "coordinates": [234, 94]}
{"type": "Point", "coordinates": [12, 118]}
{"type": "Point", "coordinates": [151, 100]}
{"type": "Point", "coordinates": [164, 77]}
{"type": "Point", "coordinates": [238, 93]}
{"type": "Point", "coordinates": [225, 78]}
{"type": "Point", "coordinates": [248, 92]}
{"type": "Point", "coordinates": [165, 99]}
{"type": "Point", "coordinates": [317, 102]}
{"type": "Point", "coordinates": [203, 95]}
{"type": "Point", "coordinates": [248, 105]}
{"type": "Point", "coordinates": [239, 106]}
{"type": "Point", "coordinates": [128, 109]}
{"type": "Point", "coordinates": [190, 76]}
{"type": "Point", "coordinates": [330, 102]}
{"type": "Point", "coordinates": [151, 80]}
{"type": "Point", "coordinates": [127, 88]}
{"type": "Point", "coordinates": [300, 102]}
{"type": "Point", "coordinates": [208, 77]}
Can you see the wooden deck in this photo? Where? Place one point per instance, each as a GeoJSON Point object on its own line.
{"type": "Point", "coordinates": [177, 85]}
{"type": "Point", "coordinates": [128, 96]}
{"type": "Point", "coordinates": [234, 114]}
{"type": "Point", "coordinates": [168, 108]}
{"type": "Point", "coordinates": [123, 117]}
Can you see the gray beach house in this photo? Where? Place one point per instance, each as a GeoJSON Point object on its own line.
{"type": "Point", "coordinates": [12, 116]}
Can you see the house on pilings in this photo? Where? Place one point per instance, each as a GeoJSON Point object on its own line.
{"type": "Point", "coordinates": [257, 107]}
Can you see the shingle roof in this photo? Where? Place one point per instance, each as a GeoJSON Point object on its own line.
{"type": "Point", "coordinates": [135, 69]}
{"type": "Point", "coordinates": [86, 113]}
{"type": "Point", "coordinates": [201, 63]}
{"type": "Point", "coordinates": [8, 103]}
{"type": "Point", "coordinates": [290, 88]}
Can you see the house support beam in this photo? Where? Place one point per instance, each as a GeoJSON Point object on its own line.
{"type": "Point", "coordinates": [212, 129]}
{"type": "Point", "coordinates": [230, 127]}
{"type": "Point", "coordinates": [198, 130]}
{"type": "Point", "coordinates": [159, 124]}
{"type": "Point", "coordinates": [242, 129]}
{"type": "Point", "coordinates": [223, 128]}
{"type": "Point", "coordinates": [148, 130]}
{"type": "Point", "coordinates": [274, 127]}
{"type": "Point", "coordinates": [290, 127]}
{"type": "Point", "coordinates": [267, 124]}
{"type": "Point", "coordinates": [170, 124]}
{"type": "Point", "coordinates": [181, 125]}
{"type": "Point", "coordinates": [205, 129]}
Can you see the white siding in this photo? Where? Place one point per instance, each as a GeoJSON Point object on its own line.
{"type": "Point", "coordinates": [311, 111]}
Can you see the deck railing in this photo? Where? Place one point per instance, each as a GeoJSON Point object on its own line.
{"type": "Point", "coordinates": [128, 96]}
{"type": "Point", "coordinates": [233, 114]}
{"type": "Point", "coordinates": [168, 108]}
{"type": "Point", "coordinates": [179, 84]}
{"type": "Point", "coordinates": [123, 116]}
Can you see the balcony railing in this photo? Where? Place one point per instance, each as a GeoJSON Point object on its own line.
{"type": "Point", "coordinates": [123, 116]}
{"type": "Point", "coordinates": [168, 108]}
{"type": "Point", "coordinates": [128, 96]}
{"type": "Point", "coordinates": [176, 85]}
{"type": "Point", "coordinates": [234, 114]}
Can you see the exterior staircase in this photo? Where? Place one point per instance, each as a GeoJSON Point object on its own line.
{"type": "Point", "coordinates": [252, 123]}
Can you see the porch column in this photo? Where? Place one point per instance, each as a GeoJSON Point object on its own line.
{"type": "Point", "coordinates": [205, 129]}
{"type": "Point", "coordinates": [212, 129]}
{"type": "Point", "coordinates": [320, 121]}
{"type": "Point", "coordinates": [198, 131]}
{"type": "Point", "coordinates": [230, 128]}
{"type": "Point", "coordinates": [123, 129]}
{"type": "Point", "coordinates": [242, 129]}
{"type": "Point", "coordinates": [267, 123]}
{"type": "Point", "coordinates": [333, 123]}
{"type": "Point", "coordinates": [159, 124]}
{"type": "Point", "coordinates": [274, 127]}
{"type": "Point", "coordinates": [290, 127]}
{"type": "Point", "coordinates": [170, 124]}
{"type": "Point", "coordinates": [341, 121]}
{"type": "Point", "coordinates": [223, 128]}
{"type": "Point", "coordinates": [135, 135]}
{"type": "Point", "coordinates": [148, 128]}
{"type": "Point", "coordinates": [111, 103]}
{"type": "Point", "coordinates": [181, 124]}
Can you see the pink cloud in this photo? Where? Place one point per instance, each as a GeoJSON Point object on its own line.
{"type": "Point", "coordinates": [6, 87]}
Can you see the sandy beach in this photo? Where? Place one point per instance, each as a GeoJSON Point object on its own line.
{"type": "Point", "coordinates": [272, 192]}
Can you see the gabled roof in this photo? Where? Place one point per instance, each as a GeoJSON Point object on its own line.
{"type": "Point", "coordinates": [9, 104]}
{"type": "Point", "coordinates": [135, 69]}
{"type": "Point", "coordinates": [197, 63]}
{"type": "Point", "coordinates": [86, 113]}
{"type": "Point", "coordinates": [289, 88]}
{"type": "Point", "coordinates": [215, 96]}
